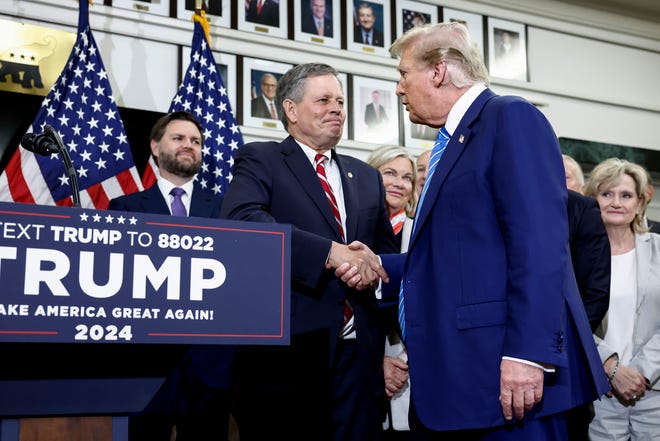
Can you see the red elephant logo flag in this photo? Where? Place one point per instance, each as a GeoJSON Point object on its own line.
{"type": "Point", "coordinates": [80, 107]}
{"type": "Point", "coordinates": [202, 93]}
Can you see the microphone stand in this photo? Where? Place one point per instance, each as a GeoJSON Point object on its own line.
{"type": "Point", "coordinates": [68, 164]}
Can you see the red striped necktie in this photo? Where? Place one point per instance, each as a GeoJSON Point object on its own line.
{"type": "Point", "coordinates": [320, 172]}
{"type": "Point", "coordinates": [319, 160]}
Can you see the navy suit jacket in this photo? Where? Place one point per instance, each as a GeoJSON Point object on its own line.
{"type": "Point", "coordinates": [275, 182]}
{"type": "Point", "coordinates": [377, 36]}
{"type": "Point", "coordinates": [210, 363]}
{"type": "Point", "coordinates": [591, 256]}
{"type": "Point", "coordinates": [488, 273]}
{"type": "Point", "coordinates": [309, 26]}
{"type": "Point", "coordinates": [270, 13]}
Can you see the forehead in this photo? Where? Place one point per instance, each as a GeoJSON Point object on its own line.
{"type": "Point", "coordinates": [181, 126]}
{"type": "Point", "coordinates": [323, 85]}
{"type": "Point", "coordinates": [399, 163]}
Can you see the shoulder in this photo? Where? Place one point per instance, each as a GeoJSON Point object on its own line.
{"type": "Point", "coordinates": [131, 200]}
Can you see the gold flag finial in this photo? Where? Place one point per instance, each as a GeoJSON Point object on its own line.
{"type": "Point", "coordinates": [200, 16]}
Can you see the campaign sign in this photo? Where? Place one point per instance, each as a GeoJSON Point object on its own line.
{"type": "Point", "coordinates": [83, 275]}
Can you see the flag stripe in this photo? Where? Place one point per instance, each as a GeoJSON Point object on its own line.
{"type": "Point", "coordinates": [81, 109]}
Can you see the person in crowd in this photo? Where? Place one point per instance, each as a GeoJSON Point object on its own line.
{"type": "Point", "coordinates": [574, 174]}
{"type": "Point", "coordinates": [265, 12]}
{"type": "Point", "coordinates": [366, 32]}
{"type": "Point", "coordinates": [263, 106]}
{"type": "Point", "coordinates": [498, 342]}
{"type": "Point", "coordinates": [397, 168]}
{"type": "Point", "coordinates": [654, 225]}
{"type": "Point", "coordinates": [196, 398]}
{"type": "Point", "coordinates": [317, 21]}
{"type": "Point", "coordinates": [422, 169]}
{"type": "Point", "coordinates": [590, 255]}
{"type": "Point", "coordinates": [375, 116]}
{"type": "Point", "coordinates": [628, 339]}
{"type": "Point", "coordinates": [328, 384]}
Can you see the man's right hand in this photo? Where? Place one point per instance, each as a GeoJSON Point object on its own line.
{"type": "Point", "coordinates": [356, 265]}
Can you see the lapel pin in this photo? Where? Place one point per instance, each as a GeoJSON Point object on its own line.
{"type": "Point", "coordinates": [461, 139]}
{"type": "Point", "coordinates": [350, 175]}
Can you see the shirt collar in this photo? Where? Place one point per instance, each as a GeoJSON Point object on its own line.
{"type": "Point", "coordinates": [461, 106]}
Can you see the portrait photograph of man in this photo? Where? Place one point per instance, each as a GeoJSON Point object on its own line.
{"type": "Point", "coordinates": [263, 102]}
{"type": "Point", "coordinates": [316, 17]}
{"type": "Point", "coordinates": [265, 12]}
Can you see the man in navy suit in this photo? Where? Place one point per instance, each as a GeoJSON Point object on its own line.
{"type": "Point", "coordinates": [196, 397]}
{"type": "Point", "coordinates": [316, 21]}
{"type": "Point", "coordinates": [265, 12]}
{"type": "Point", "coordinates": [328, 384]}
{"type": "Point", "coordinates": [499, 346]}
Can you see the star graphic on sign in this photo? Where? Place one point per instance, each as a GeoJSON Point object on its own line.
{"type": "Point", "coordinates": [121, 220]}
{"type": "Point", "coordinates": [83, 217]}
{"type": "Point", "coordinates": [96, 217]}
{"type": "Point", "coordinates": [133, 221]}
{"type": "Point", "coordinates": [108, 219]}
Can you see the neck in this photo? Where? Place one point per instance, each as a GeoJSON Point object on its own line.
{"type": "Point", "coordinates": [622, 239]}
{"type": "Point", "coordinates": [176, 180]}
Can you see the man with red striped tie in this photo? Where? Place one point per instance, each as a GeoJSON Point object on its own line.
{"type": "Point", "coordinates": [328, 385]}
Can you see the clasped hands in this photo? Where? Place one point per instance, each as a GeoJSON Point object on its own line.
{"type": "Point", "coordinates": [628, 384]}
{"type": "Point", "coordinates": [356, 265]}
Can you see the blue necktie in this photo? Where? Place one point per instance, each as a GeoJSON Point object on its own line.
{"type": "Point", "coordinates": [438, 149]}
{"type": "Point", "coordinates": [178, 209]}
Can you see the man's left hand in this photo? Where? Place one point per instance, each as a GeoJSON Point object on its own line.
{"type": "Point", "coordinates": [521, 387]}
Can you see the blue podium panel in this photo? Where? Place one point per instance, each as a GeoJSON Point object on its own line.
{"type": "Point", "coordinates": [80, 276]}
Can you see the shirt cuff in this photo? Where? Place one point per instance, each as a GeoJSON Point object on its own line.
{"type": "Point", "coordinates": [546, 368]}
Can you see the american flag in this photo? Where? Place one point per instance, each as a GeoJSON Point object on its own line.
{"type": "Point", "coordinates": [202, 92]}
{"type": "Point", "coordinates": [80, 107]}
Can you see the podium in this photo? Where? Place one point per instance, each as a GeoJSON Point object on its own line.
{"type": "Point", "coordinates": [97, 308]}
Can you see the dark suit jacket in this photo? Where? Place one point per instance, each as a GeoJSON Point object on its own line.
{"type": "Point", "coordinates": [377, 36]}
{"type": "Point", "coordinates": [654, 226]}
{"type": "Point", "coordinates": [370, 115]}
{"type": "Point", "coordinates": [590, 253]}
{"type": "Point", "coordinates": [309, 26]}
{"type": "Point", "coordinates": [259, 108]}
{"type": "Point", "coordinates": [270, 13]}
{"type": "Point", "coordinates": [488, 273]}
{"type": "Point", "coordinates": [275, 182]}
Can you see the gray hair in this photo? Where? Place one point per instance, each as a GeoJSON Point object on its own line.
{"type": "Point", "coordinates": [448, 42]}
{"type": "Point", "coordinates": [292, 84]}
{"type": "Point", "coordinates": [386, 153]}
{"type": "Point", "coordinates": [610, 171]}
{"type": "Point", "coordinates": [579, 174]}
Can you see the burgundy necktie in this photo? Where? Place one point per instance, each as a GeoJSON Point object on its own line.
{"type": "Point", "coordinates": [320, 172]}
{"type": "Point", "coordinates": [273, 115]}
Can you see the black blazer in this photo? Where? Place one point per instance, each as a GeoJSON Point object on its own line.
{"type": "Point", "coordinates": [259, 109]}
{"type": "Point", "coordinates": [590, 252]}
{"type": "Point", "coordinates": [377, 37]}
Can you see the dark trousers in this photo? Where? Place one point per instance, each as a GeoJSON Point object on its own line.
{"type": "Point", "coordinates": [551, 428]}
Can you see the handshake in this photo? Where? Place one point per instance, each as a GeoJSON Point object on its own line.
{"type": "Point", "coordinates": [356, 265]}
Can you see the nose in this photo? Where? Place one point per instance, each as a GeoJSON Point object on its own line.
{"type": "Point", "coordinates": [399, 88]}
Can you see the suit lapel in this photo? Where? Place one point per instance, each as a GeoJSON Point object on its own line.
{"type": "Point", "coordinates": [643, 256]}
{"type": "Point", "coordinates": [201, 202]}
{"type": "Point", "coordinates": [455, 147]}
{"type": "Point", "coordinates": [153, 202]}
{"type": "Point", "coordinates": [302, 170]}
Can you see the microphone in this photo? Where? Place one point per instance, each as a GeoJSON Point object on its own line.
{"type": "Point", "coordinates": [40, 144]}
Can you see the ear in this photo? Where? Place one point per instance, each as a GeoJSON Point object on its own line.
{"type": "Point", "coordinates": [154, 148]}
{"type": "Point", "coordinates": [290, 110]}
{"type": "Point", "coordinates": [439, 72]}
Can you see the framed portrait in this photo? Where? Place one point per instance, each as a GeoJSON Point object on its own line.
{"type": "Point", "coordinates": [417, 135]}
{"type": "Point", "coordinates": [410, 14]}
{"type": "Point", "coordinates": [260, 79]}
{"type": "Point", "coordinates": [267, 17]}
{"type": "Point", "coordinates": [158, 7]}
{"type": "Point", "coordinates": [375, 111]}
{"type": "Point", "coordinates": [218, 12]}
{"type": "Point", "coordinates": [474, 23]}
{"type": "Point", "coordinates": [507, 49]}
{"type": "Point", "coordinates": [226, 64]}
{"type": "Point", "coordinates": [368, 27]}
{"type": "Point", "coordinates": [317, 21]}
